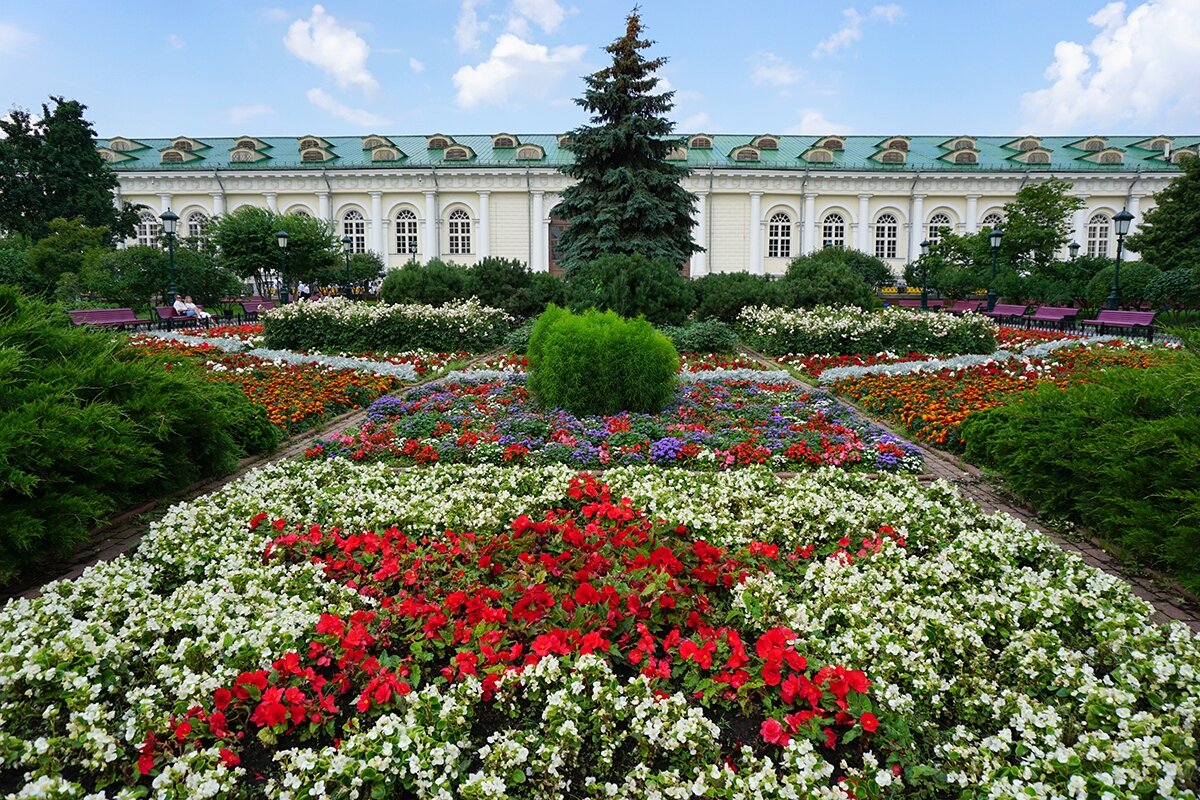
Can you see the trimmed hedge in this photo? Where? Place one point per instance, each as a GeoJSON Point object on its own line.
{"type": "Point", "coordinates": [600, 364]}
{"type": "Point", "coordinates": [87, 429]}
{"type": "Point", "coordinates": [704, 336]}
{"type": "Point", "coordinates": [848, 331]}
{"type": "Point", "coordinates": [1120, 455]}
{"type": "Point", "coordinates": [631, 286]}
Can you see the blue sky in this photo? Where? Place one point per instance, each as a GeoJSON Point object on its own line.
{"type": "Point", "coordinates": [226, 68]}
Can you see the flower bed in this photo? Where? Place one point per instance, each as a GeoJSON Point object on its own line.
{"type": "Point", "coordinates": [933, 403]}
{"type": "Point", "coordinates": [710, 425]}
{"type": "Point", "coordinates": [482, 632]}
{"type": "Point", "coordinates": [1017, 340]}
{"type": "Point", "coordinates": [708, 362]}
{"type": "Point", "coordinates": [246, 332]}
{"type": "Point", "coordinates": [776, 331]}
{"type": "Point", "coordinates": [813, 364]}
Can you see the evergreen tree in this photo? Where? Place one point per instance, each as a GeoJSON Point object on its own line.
{"type": "Point", "coordinates": [1169, 237]}
{"type": "Point", "coordinates": [627, 198]}
{"type": "Point", "coordinates": [50, 169]}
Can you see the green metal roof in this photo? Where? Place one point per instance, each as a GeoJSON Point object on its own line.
{"type": "Point", "coordinates": [925, 154]}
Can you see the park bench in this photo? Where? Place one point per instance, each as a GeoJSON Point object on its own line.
{"type": "Point", "coordinates": [966, 306]}
{"type": "Point", "coordinates": [1057, 317]}
{"type": "Point", "coordinates": [171, 319]}
{"type": "Point", "coordinates": [251, 309]}
{"type": "Point", "coordinates": [108, 317]}
{"type": "Point", "coordinates": [1133, 321]}
{"type": "Point", "coordinates": [916, 303]}
{"type": "Point", "coordinates": [1007, 312]}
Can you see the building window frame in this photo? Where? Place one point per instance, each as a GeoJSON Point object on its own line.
{"type": "Point", "coordinates": [887, 236]}
{"type": "Point", "coordinates": [833, 230]}
{"type": "Point", "coordinates": [779, 235]}
{"type": "Point", "coordinates": [459, 230]}
{"type": "Point", "coordinates": [354, 225]}
{"type": "Point", "coordinates": [406, 232]}
{"type": "Point", "coordinates": [1099, 234]}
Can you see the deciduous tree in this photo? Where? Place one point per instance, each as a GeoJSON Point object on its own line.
{"type": "Point", "coordinates": [1169, 236]}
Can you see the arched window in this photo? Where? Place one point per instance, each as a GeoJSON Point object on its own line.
{"type": "Point", "coordinates": [1028, 144]}
{"type": "Point", "coordinates": [119, 146]}
{"type": "Point", "coordinates": [1097, 235]}
{"type": "Point", "coordinates": [745, 154]}
{"type": "Point", "coordinates": [305, 144]}
{"type": "Point", "coordinates": [1038, 158]}
{"type": "Point", "coordinates": [992, 220]}
{"type": "Point", "coordinates": [313, 155]}
{"type": "Point", "coordinates": [247, 144]}
{"type": "Point", "coordinates": [383, 154]}
{"type": "Point", "coordinates": [503, 142]}
{"type": "Point", "coordinates": [1111, 157]}
{"type": "Point", "coordinates": [819, 157]}
{"type": "Point", "coordinates": [171, 157]}
{"type": "Point", "coordinates": [779, 236]}
{"type": "Point", "coordinates": [460, 232]}
{"type": "Point", "coordinates": [963, 144]}
{"type": "Point", "coordinates": [406, 232]}
{"type": "Point", "coordinates": [355, 226]}
{"type": "Point", "coordinates": [242, 155]}
{"type": "Point", "coordinates": [371, 142]}
{"type": "Point", "coordinates": [965, 157]}
{"type": "Point", "coordinates": [933, 231]}
{"type": "Point", "coordinates": [148, 229]}
{"type": "Point", "coordinates": [300, 212]}
{"type": "Point", "coordinates": [887, 236]}
{"type": "Point", "coordinates": [700, 143]}
{"type": "Point", "coordinates": [197, 221]}
{"type": "Point", "coordinates": [898, 144]}
{"type": "Point", "coordinates": [456, 154]}
{"type": "Point", "coordinates": [892, 157]}
{"type": "Point", "coordinates": [833, 231]}
{"type": "Point", "coordinates": [438, 143]}
{"type": "Point", "coordinates": [529, 153]}
{"type": "Point", "coordinates": [182, 144]}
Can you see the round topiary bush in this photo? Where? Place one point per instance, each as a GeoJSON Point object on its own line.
{"type": "Point", "coordinates": [599, 364]}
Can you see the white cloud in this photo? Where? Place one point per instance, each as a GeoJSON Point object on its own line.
{"type": "Point", "coordinates": [359, 116]}
{"type": "Point", "coordinates": [851, 31]}
{"type": "Point", "coordinates": [468, 27]}
{"type": "Point", "coordinates": [175, 42]}
{"type": "Point", "coordinates": [415, 65]}
{"type": "Point", "coordinates": [1140, 69]}
{"type": "Point", "coordinates": [701, 122]}
{"type": "Point", "coordinates": [240, 114]}
{"type": "Point", "coordinates": [341, 52]}
{"type": "Point", "coordinates": [813, 123]}
{"type": "Point", "coordinates": [275, 14]}
{"type": "Point", "coordinates": [14, 40]}
{"type": "Point", "coordinates": [772, 70]}
{"type": "Point", "coordinates": [546, 14]}
{"type": "Point", "coordinates": [515, 67]}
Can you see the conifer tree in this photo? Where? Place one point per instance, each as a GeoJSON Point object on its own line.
{"type": "Point", "coordinates": [1169, 236]}
{"type": "Point", "coordinates": [627, 198]}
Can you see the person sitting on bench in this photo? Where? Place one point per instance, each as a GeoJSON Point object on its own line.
{"type": "Point", "coordinates": [190, 309]}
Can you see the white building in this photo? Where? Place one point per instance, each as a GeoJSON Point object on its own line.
{"type": "Point", "coordinates": [762, 200]}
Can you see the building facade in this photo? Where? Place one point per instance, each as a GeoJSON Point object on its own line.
{"type": "Point", "coordinates": [761, 200]}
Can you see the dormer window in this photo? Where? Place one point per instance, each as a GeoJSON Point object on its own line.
{"type": "Point", "coordinates": [963, 144]}
{"type": "Point", "coordinates": [1111, 157]}
{"type": "Point", "coordinates": [833, 143]}
{"type": "Point", "coordinates": [182, 144]}
{"type": "Point", "coordinates": [457, 154]}
{"type": "Point", "coordinates": [172, 157]}
{"type": "Point", "coordinates": [766, 143]}
{"type": "Point", "coordinates": [677, 154]}
{"type": "Point", "coordinates": [118, 145]}
{"type": "Point", "coordinates": [246, 144]}
{"type": "Point", "coordinates": [565, 141]}
{"type": "Point", "coordinates": [1040, 157]}
{"type": "Point", "coordinates": [893, 156]}
{"type": "Point", "coordinates": [819, 155]}
{"type": "Point", "coordinates": [438, 143]}
{"type": "Point", "coordinates": [1179, 155]}
{"type": "Point", "coordinates": [503, 143]}
{"type": "Point", "coordinates": [745, 154]}
{"type": "Point", "coordinates": [1028, 143]}
{"type": "Point", "coordinates": [243, 155]}
{"type": "Point", "coordinates": [898, 143]}
{"type": "Point", "coordinates": [1093, 144]}
{"type": "Point", "coordinates": [1157, 143]}
{"type": "Point", "coordinates": [966, 157]}
{"type": "Point", "coordinates": [371, 142]}
{"type": "Point", "coordinates": [309, 143]}
{"type": "Point", "coordinates": [313, 154]}
{"type": "Point", "coordinates": [530, 152]}
{"type": "Point", "coordinates": [107, 155]}
{"type": "Point", "coordinates": [700, 142]}
{"type": "Point", "coordinates": [384, 154]}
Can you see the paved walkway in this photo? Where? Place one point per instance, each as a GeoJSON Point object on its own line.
{"type": "Point", "coordinates": [1169, 600]}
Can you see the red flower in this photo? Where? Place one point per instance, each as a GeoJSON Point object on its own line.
{"type": "Point", "coordinates": [869, 722]}
{"type": "Point", "coordinates": [230, 758]}
{"type": "Point", "coordinates": [222, 698]}
{"type": "Point", "coordinates": [773, 732]}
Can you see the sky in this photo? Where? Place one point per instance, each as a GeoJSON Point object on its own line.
{"type": "Point", "coordinates": [911, 67]}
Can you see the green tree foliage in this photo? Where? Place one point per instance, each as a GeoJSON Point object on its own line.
{"type": "Point", "coordinates": [1037, 225]}
{"type": "Point", "coordinates": [1176, 288]}
{"type": "Point", "coordinates": [247, 245]}
{"type": "Point", "coordinates": [822, 281]}
{"type": "Point", "coordinates": [434, 283]}
{"type": "Point", "coordinates": [138, 276]}
{"type": "Point", "coordinates": [70, 245]}
{"type": "Point", "coordinates": [86, 429]}
{"type": "Point", "coordinates": [723, 295]}
{"type": "Point", "coordinates": [874, 271]}
{"type": "Point", "coordinates": [632, 285]}
{"type": "Point", "coordinates": [1135, 281]}
{"type": "Point", "coordinates": [1169, 236]}
{"type": "Point", "coordinates": [50, 169]}
{"type": "Point", "coordinates": [627, 197]}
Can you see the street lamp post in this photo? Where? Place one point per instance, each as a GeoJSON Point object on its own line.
{"type": "Point", "coordinates": [281, 237]}
{"type": "Point", "coordinates": [347, 244]}
{"type": "Point", "coordinates": [925, 275]}
{"type": "Point", "coordinates": [1074, 248]}
{"type": "Point", "coordinates": [170, 223]}
{"type": "Point", "coordinates": [994, 237]}
{"type": "Point", "coordinates": [1121, 222]}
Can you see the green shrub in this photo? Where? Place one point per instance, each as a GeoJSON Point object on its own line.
{"type": "Point", "coordinates": [812, 281]}
{"type": "Point", "coordinates": [1120, 455]}
{"type": "Point", "coordinates": [1176, 288]}
{"type": "Point", "coordinates": [631, 286]}
{"type": "Point", "coordinates": [1134, 282]}
{"type": "Point", "coordinates": [434, 284]}
{"type": "Point", "coordinates": [873, 271]}
{"type": "Point", "coordinates": [517, 340]}
{"type": "Point", "coordinates": [704, 336]}
{"type": "Point", "coordinates": [86, 429]}
{"type": "Point", "coordinates": [599, 363]}
{"type": "Point", "coordinates": [723, 295]}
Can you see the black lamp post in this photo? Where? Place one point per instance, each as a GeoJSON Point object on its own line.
{"type": "Point", "coordinates": [347, 244]}
{"type": "Point", "coordinates": [1074, 248]}
{"type": "Point", "coordinates": [170, 223]}
{"type": "Point", "coordinates": [1121, 222]}
{"type": "Point", "coordinates": [994, 237]}
{"type": "Point", "coordinates": [925, 275]}
{"type": "Point", "coordinates": [281, 238]}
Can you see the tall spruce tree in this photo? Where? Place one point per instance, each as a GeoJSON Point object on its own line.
{"type": "Point", "coordinates": [627, 198]}
{"type": "Point", "coordinates": [50, 169]}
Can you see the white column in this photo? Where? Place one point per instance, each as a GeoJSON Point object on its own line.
{"type": "Point", "coordinates": [377, 223]}
{"type": "Point", "coordinates": [700, 235]}
{"type": "Point", "coordinates": [164, 201]}
{"type": "Point", "coordinates": [864, 220]}
{"type": "Point", "coordinates": [972, 213]}
{"type": "Point", "coordinates": [537, 234]}
{"type": "Point", "coordinates": [272, 202]}
{"type": "Point", "coordinates": [756, 234]}
{"type": "Point", "coordinates": [485, 226]}
{"type": "Point", "coordinates": [323, 206]}
{"type": "Point", "coordinates": [1135, 208]}
{"type": "Point", "coordinates": [916, 227]}
{"type": "Point", "coordinates": [1079, 224]}
{"type": "Point", "coordinates": [809, 243]}
{"type": "Point", "coordinates": [218, 199]}
{"type": "Point", "coordinates": [432, 245]}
